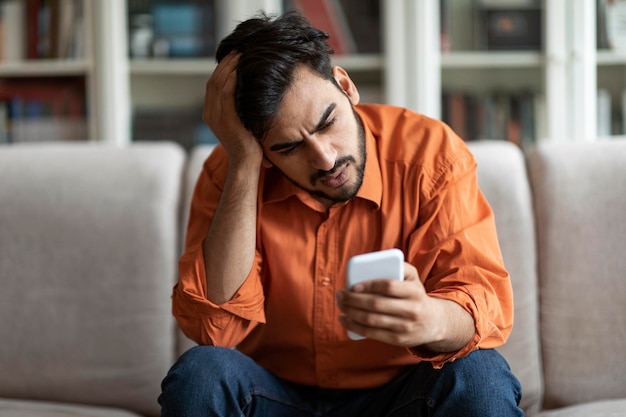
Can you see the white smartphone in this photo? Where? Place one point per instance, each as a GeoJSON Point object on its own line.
{"type": "Point", "coordinates": [388, 263]}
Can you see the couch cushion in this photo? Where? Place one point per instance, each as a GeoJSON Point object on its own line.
{"type": "Point", "coordinates": [608, 408]}
{"type": "Point", "coordinates": [580, 202]}
{"type": "Point", "coordinates": [15, 408]}
{"type": "Point", "coordinates": [87, 258]}
{"type": "Point", "coordinates": [503, 179]}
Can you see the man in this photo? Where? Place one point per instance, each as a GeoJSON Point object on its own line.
{"type": "Point", "coordinates": [304, 179]}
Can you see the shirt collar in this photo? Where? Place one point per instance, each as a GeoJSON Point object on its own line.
{"type": "Point", "coordinates": [277, 188]}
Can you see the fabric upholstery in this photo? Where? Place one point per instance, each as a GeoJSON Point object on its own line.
{"type": "Point", "coordinates": [90, 236]}
{"type": "Point", "coordinates": [608, 408]}
{"type": "Point", "coordinates": [580, 201]}
{"type": "Point", "coordinates": [503, 179]}
{"type": "Point", "coordinates": [16, 408]}
{"type": "Point", "coordinates": [87, 260]}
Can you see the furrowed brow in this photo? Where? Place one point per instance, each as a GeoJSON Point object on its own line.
{"type": "Point", "coordinates": [286, 145]}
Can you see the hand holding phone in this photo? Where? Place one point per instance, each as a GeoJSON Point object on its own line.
{"type": "Point", "coordinates": [388, 263]}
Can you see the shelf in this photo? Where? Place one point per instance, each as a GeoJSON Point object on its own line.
{"type": "Point", "coordinates": [491, 59]}
{"type": "Point", "coordinates": [43, 68]}
{"type": "Point", "coordinates": [197, 66]}
{"type": "Point", "coordinates": [204, 66]}
{"type": "Point", "coordinates": [364, 62]}
{"type": "Point", "coordinates": [610, 57]}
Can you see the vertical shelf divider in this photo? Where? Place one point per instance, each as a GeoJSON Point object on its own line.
{"type": "Point", "coordinates": [424, 54]}
{"type": "Point", "coordinates": [582, 76]}
{"type": "Point", "coordinates": [113, 91]}
{"type": "Point", "coordinates": [395, 59]}
{"type": "Point", "coordinates": [412, 55]}
{"type": "Point", "coordinates": [556, 84]}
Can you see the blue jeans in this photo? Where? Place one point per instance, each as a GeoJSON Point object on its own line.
{"type": "Point", "coordinates": [212, 381]}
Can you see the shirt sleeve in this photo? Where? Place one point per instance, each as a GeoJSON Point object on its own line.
{"type": "Point", "coordinates": [456, 252]}
{"type": "Point", "coordinates": [201, 320]}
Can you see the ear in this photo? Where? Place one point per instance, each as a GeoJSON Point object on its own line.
{"type": "Point", "coordinates": [346, 84]}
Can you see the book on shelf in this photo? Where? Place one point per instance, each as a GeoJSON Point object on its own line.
{"type": "Point", "coordinates": [601, 39]}
{"type": "Point", "coordinates": [501, 115]}
{"type": "Point", "coordinates": [12, 33]}
{"type": "Point", "coordinates": [4, 122]}
{"type": "Point", "coordinates": [603, 115]}
{"type": "Point", "coordinates": [329, 16]}
{"type": "Point", "coordinates": [47, 129]}
{"type": "Point", "coordinates": [445, 40]}
{"type": "Point", "coordinates": [610, 113]}
{"type": "Point", "coordinates": [457, 25]}
{"type": "Point", "coordinates": [363, 21]}
{"type": "Point", "coordinates": [41, 29]}
{"type": "Point", "coordinates": [35, 109]}
{"type": "Point", "coordinates": [181, 125]}
{"type": "Point", "coordinates": [621, 114]}
{"type": "Point", "coordinates": [612, 24]}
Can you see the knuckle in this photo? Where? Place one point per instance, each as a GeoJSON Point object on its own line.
{"type": "Point", "coordinates": [405, 327]}
{"type": "Point", "coordinates": [375, 303]}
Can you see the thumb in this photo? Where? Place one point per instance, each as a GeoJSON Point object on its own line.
{"type": "Point", "coordinates": [410, 272]}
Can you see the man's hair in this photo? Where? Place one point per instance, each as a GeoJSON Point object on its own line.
{"type": "Point", "coordinates": [271, 50]}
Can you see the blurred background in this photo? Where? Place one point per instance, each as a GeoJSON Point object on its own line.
{"type": "Point", "coordinates": [131, 70]}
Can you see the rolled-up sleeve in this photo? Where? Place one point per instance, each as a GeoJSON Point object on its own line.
{"type": "Point", "coordinates": [201, 320]}
{"type": "Point", "coordinates": [456, 251]}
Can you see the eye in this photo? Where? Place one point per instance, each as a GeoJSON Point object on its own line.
{"type": "Point", "coordinates": [289, 150]}
{"type": "Point", "coordinates": [328, 124]}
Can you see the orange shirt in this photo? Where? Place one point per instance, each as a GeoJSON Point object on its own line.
{"type": "Point", "coordinates": [419, 194]}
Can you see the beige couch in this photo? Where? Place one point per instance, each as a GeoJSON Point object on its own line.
{"type": "Point", "coordinates": [90, 235]}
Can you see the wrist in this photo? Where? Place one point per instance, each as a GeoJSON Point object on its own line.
{"type": "Point", "coordinates": [455, 327]}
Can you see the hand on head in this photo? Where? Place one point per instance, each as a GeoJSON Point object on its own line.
{"type": "Point", "coordinates": [221, 116]}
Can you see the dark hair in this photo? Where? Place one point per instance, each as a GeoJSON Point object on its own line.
{"type": "Point", "coordinates": [271, 49]}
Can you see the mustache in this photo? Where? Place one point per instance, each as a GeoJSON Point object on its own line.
{"type": "Point", "coordinates": [339, 163]}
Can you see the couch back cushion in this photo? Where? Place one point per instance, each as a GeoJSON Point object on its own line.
{"type": "Point", "coordinates": [503, 179]}
{"type": "Point", "coordinates": [580, 200]}
{"type": "Point", "coordinates": [88, 254]}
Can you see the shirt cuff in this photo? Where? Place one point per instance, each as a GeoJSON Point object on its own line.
{"type": "Point", "coordinates": [440, 359]}
{"type": "Point", "coordinates": [465, 300]}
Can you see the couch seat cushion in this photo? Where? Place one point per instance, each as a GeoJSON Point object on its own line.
{"type": "Point", "coordinates": [607, 408]}
{"type": "Point", "coordinates": [18, 408]}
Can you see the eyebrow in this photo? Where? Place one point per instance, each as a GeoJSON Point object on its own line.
{"type": "Point", "coordinates": [318, 126]}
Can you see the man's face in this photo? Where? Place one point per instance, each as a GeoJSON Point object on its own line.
{"type": "Point", "coordinates": [317, 140]}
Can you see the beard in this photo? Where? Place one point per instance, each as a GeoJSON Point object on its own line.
{"type": "Point", "coordinates": [347, 191]}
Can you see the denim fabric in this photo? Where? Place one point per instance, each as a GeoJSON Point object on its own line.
{"type": "Point", "coordinates": [212, 381]}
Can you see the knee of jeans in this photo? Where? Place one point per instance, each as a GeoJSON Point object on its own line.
{"type": "Point", "coordinates": [212, 357]}
{"type": "Point", "coordinates": [483, 373]}
{"type": "Point", "coordinates": [202, 363]}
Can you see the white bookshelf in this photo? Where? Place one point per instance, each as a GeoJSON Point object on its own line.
{"type": "Point", "coordinates": [563, 72]}
{"type": "Point", "coordinates": [81, 65]}
{"type": "Point", "coordinates": [411, 72]}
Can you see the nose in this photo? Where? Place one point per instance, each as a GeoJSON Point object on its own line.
{"type": "Point", "coordinates": [322, 154]}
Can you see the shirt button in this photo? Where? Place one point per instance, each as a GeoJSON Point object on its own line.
{"type": "Point", "coordinates": [326, 281]}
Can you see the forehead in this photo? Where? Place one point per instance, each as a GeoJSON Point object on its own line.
{"type": "Point", "coordinates": [305, 100]}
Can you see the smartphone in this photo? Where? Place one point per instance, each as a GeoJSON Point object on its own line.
{"type": "Point", "coordinates": [388, 263]}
